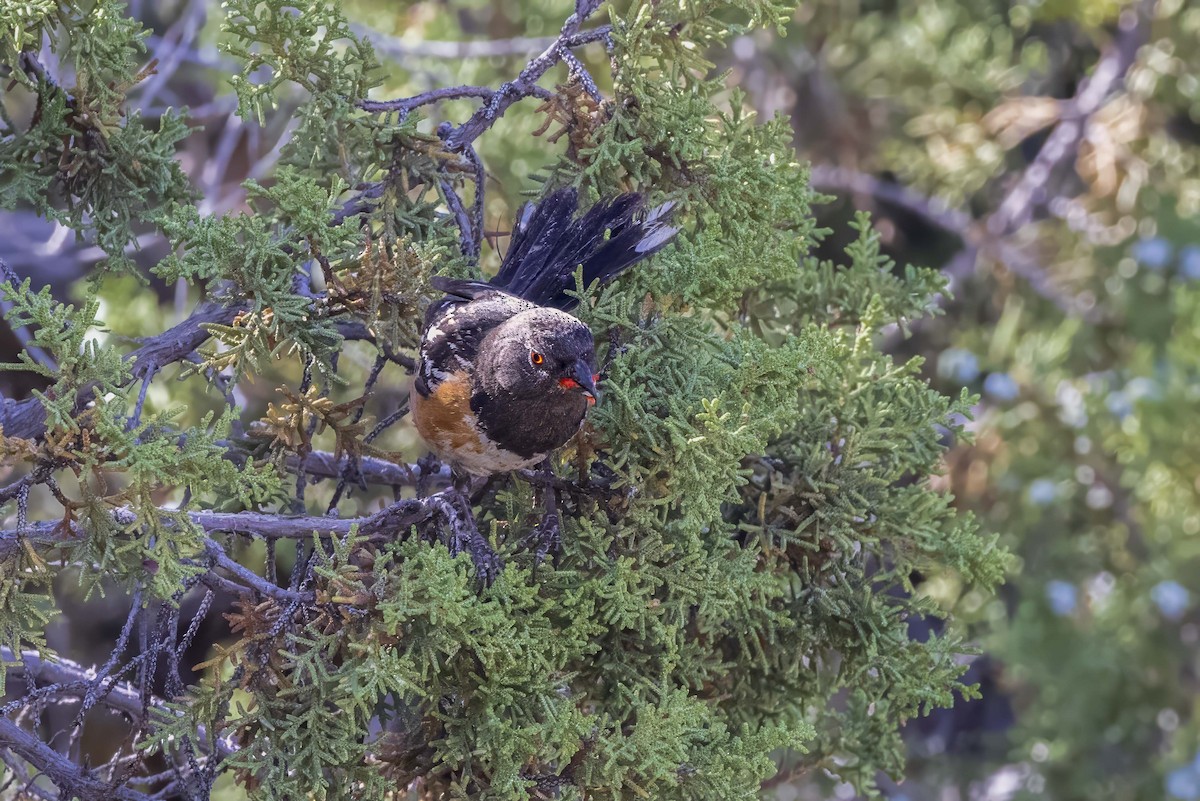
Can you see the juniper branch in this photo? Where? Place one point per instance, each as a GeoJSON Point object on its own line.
{"type": "Point", "coordinates": [249, 578]}
{"type": "Point", "coordinates": [372, 470]}
{"type": "Point", "coordinates": [552, 49]}
{"type": "Point", "coordinates": [468, 233]}
{"type": "Point", "coordinates": [72, 780]}
{"type": "Point", "coordinates": [70, 678]}
{"type": "Point", "coordinates": [524, 85]}
{"type": "Point", "coordinates": [407, 104]}
{"type": "Point", "coordinates": [388, 522]}
{"type": "Point", "coordinates": [27, 418]}
{"type": "Point", "coordinates": [1030, 192]}
{"type": "Point", "coordinates": [496, 102]}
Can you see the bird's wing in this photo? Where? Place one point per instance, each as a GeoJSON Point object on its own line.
{"type": "Point", "coordinates": [455, 327]}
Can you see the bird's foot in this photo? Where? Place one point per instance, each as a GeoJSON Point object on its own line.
{"type": "Point", "coordinates": [427, 467]}
{"type": "Point", "coordinates": [465, 537]}
{"type": "Point", "coordinates": [546, 538]}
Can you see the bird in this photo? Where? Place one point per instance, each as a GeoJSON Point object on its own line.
{"type": "Point", "coordinates": [505, 374]}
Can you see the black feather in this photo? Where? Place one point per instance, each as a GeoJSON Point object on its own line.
{"type": "Point", "coordinates": [461, 288]}
{"type": "Point", "coordinates": [549, 243]}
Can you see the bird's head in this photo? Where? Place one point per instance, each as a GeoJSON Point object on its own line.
{"type": "Point", "coordinates": [541, 353]}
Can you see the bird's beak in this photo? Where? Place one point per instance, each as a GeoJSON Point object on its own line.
{"type": "Point", "coordinates": [584, 380]}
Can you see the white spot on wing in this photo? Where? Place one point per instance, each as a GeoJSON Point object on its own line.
{"type": "Point", "coordinates": [525, 214]}
{"type": "Point", "coordinates": [656, 239]}
{"type": "Point", "coordinates": [657, 232]}
{"type": "Point", "coordinates": [658, 212]}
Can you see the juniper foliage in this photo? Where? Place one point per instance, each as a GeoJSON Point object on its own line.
{"type": "Point", "coordinates": [1075, 118]}
{"type": "Point", "coordinates": [742, 518]}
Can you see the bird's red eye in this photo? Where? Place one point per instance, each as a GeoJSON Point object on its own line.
{"type": "Point", "coordinates": [536, 357]}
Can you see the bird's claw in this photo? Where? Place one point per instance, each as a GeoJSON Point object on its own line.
{"type": "Point", "coordinates": [483, 556]}
{"type": "Point", "coordinates": [465, 537]}
{"type": "Point", "coordinates": [546, 538]}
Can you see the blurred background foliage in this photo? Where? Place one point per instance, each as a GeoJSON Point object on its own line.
{"type": "Point", "coordinates": [1079, 330]}
{"type": "Point", "coordinates": [1075, 315]}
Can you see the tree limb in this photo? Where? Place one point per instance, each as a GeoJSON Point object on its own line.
{"type": "Point", "coordinates": [386, 523]}
{"type": "Point", "coordinates": [70, 678]}
{"type": "Point", "coordinates": [1030, 191]}
{"type": "Point", "coordinates": [71, 780]}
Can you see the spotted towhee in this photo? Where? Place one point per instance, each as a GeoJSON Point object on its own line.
{"type": "Point", "coordinates": [506, 376]}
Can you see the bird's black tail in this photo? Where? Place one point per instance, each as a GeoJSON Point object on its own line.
{"type": "Point", "coordinates": [549, 242]}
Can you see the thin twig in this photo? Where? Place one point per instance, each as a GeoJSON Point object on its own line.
{"type": "Point", "coordinates": [136, 417]}
{"type": "Point", "coordinates": [407, 104]}
{"type": "Point", "coordinates": [477, 222]}
{"type": "Point", "coordinates": [251, 579]}
{"type": "Point", "coordinates": [64, 675]}
{"type": "Point", "coordinates": [1030, 192]}
{"type": "Point", "coordinates": [94, 692]}
{"type": "Point", "coordinates": [71, 780]}
{"type": "Point", "coordinates": [579, 72]}
{"type": "Point", "coordinates": [466, 231]}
